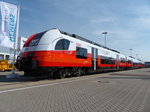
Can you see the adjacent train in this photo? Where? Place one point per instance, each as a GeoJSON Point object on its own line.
{"type": "Point", "coordinates": [60, 54]}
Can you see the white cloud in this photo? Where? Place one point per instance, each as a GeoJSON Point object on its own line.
{"type": "Point", "coordinates": [101, 20]}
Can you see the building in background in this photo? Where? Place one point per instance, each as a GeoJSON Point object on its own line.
{"type": "Point", "coordinates": [20, 43]}
{"type": "Point", "coordinates": [8, 53]}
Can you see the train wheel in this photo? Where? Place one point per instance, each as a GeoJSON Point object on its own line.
{"type": "Point", "coordinates": [67, 73]}
{"type": "Point", "coordinates": [79, 72]}
{"type": "Point", "coordinates": [61, 74]}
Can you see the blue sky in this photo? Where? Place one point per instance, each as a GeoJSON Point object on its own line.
{"type": "Point", "coordinates": [126, 21]}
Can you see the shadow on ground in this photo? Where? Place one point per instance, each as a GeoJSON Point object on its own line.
{"type": "Point", "coordinates": [20, 79]}
{"type": "Point", "coordinates": [127, 76]}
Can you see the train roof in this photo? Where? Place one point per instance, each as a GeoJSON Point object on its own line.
{"type": "Point", "coordinates": [86, 40]}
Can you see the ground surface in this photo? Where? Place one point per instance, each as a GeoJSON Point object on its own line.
{"type": "Point", "coordinates": [126, 91]}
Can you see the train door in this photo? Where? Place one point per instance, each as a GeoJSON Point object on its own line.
{"type": "Point", "coordinates": [94, 58]}
{"type": "Point", "coordinates": [126, 62]}
{"type": "Point", "coordinates": [117, 63]}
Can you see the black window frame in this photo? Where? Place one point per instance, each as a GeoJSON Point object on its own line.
{"type": "Point", "coordinates": [129, 61]}
{"type": "Point", "coordinates": [123, 60]}
{"type": "Point", "coordinates": [62, 44]}
{"type": "Point", "coordinates": [36, 39]}
{"type": "Point", "coordinates": [81, 53]}
{"type": "Point", "coordinates": [107, 60]}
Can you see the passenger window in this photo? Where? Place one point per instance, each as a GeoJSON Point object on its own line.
{"type": "Point", "coordinates": [107, 60]}
{"type": "Point", "coordinates": [129, 61]}
{"type": "Point", "coordinates": [81, 53]}
{"type": "Point", "coordinates": [123, 60]}
{"type": "Point", "coordinates": [62, 44]}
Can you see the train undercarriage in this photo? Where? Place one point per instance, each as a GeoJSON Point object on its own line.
{"type": "Point", "coordinates": [31, 68]}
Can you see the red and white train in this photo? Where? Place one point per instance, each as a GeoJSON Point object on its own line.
{"type": "Point", "coordinates": [61, 54]}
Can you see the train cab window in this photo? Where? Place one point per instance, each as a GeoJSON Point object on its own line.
{"type": "Point", "coordinates": [36, 39]}
{"type": "Point", "coordinates": [62, 44]}
{"type": "Point", "coordinates": [81, 53]}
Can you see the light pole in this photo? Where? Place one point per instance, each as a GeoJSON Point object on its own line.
{"type": "Point", "coordinates": [137, 56]}
{"type": "Point", "coordinates": [130, 52]}
{"type": "Point", "coordinates": [105, 33]}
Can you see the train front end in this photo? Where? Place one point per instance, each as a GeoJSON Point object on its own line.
{"type": "Point", "coordinates": [35, 52]}
{"type": "Point", "coordinates": [26, 59]}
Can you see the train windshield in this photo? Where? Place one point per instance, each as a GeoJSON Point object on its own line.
{"type": "Point", "coordinates": [36, 39]}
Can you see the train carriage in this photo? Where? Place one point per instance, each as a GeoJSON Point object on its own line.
{"type": "Point", "coordinates": [54, 51]}
{"type": "Point", "coordinates": [107, 59]}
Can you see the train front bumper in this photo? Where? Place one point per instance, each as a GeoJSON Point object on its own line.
{"type": "Point", "coordinates": [26, 64]}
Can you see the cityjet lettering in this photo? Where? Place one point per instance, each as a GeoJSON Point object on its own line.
{"type": "Point", "coordinates": [12, 28]}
